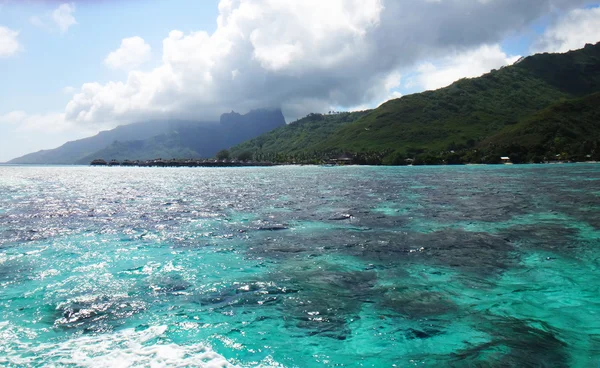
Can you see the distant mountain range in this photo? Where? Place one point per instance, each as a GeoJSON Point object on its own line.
{"type": "Point", "coordinates": [161, 139]}
{"type": "Point", "coordinates": [542, 106]}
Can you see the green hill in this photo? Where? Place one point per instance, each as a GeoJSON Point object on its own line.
{"type": "Point", "coordinates": [299, 138]}
{"type": "Point", "coordinates": [568, 128]}
{"type": "Point", "coordinates": [543, 95]}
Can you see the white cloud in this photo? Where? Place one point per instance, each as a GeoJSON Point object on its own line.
{"type": "Point", "coordinates": [13, 117]}
{"type": "Point", "coordinates": [571, 31]}
{"type": "Point", "coordinates": [61, 18]}
{"type": "Point", "coordinates": [134, 51]}
{"type": "Point", "coordinates": [309, 55]}
{"type": "Point", "coordinates": [21, 133]}
{"type": "Point", "coordinates": [9, 43]}
{"type": "Point", "coordinates": [50, 122]}
{"type": "Point", "coordinates": [457, 65]}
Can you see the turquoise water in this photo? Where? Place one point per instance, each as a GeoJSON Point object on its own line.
{"type": "Point", "coordinates": [300, 266]}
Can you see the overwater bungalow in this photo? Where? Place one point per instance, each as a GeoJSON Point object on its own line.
{"type": "Point", "coordinates": [98, 162]}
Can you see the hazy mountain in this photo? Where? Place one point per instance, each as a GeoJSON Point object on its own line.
{"type": "Point", "coordinates": [189, 140]}
{"type": "Point", "coordinates": [161, 139]}
{"type": "Point", "coordinates": [71, 152]}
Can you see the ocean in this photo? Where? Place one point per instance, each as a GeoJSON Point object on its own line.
{"type": "Point", "coordinates": [300, 266]}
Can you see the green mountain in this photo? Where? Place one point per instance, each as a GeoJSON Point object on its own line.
{"type": "Point", "coordinates": [549, 98]}
{"type": "Point", "coordinates": [299, 137]}
{"type": "Point", "coordinates": [570, 128]}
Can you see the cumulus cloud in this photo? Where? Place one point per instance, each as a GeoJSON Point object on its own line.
{"type": "Point", "coordinates": [457, 65]}
{"type": "Point", "coordinates": [309, 55]}
{"type": "Point", "coordinates": [134, 51]}
{"type": "Point", "coordinates": [571, 32]}
{"type": "Point", "coordinates": [9, 43]}
{"type": "Point", "coordinates": [63, 16]}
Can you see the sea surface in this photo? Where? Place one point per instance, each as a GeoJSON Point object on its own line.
{"type": "Point", "coordinates": [468, 266]}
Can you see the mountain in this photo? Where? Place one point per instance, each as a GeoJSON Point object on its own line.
{"type": "Point", "coordinates": [478, 114]}
{"type": "Point", "coordinates": [299, 136]}
{"type": "Point", "coordinates": [569, 128]}
{"type": "Point", "coordinates": [70, 152]}
{"type": "Point", "coordinates": [171, 139]}
{"type": "Point", "coordinates": [194, 140]}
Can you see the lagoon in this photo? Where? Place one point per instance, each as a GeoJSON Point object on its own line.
{"type": "Point", "coordinates": [300, 266]}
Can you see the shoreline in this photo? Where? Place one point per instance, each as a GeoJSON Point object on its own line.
{"type": "Point", "coordinates": [271, 164]}
{"type": "Point", "coordinates": [238, 164]}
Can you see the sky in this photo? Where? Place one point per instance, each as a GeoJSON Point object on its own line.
{"type": "Point", "coordinates": [71, 69]}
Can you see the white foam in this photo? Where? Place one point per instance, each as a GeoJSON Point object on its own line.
{"type": "Point", "coordinates": [92, 267]}
{"type": "Point", "coordinates": [124, 349]}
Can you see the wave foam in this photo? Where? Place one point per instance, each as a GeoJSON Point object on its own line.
{"type": "Point", "coordinates": [125, 349]}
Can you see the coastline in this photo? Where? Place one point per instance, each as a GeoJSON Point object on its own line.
{"type": "Point", "coordinates": [215, 164]}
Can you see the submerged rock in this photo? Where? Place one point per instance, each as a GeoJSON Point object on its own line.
{"type": "Point", "coordinates": [170, 284]}
{"type": "Point", "coordinates": [416, 304]}
{"type": "Point", "coordinates": [97, 313]}
{"type": "Point", "coordinates": [425, 333]}
{"type": "Point", "coordinates": [514, 343]}
{"type": "Point", "coordinates": [329, 298]}
{"type": "Point", "coordinates": [238, 295]}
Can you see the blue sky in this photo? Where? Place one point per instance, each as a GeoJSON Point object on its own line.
{"type": "Point", "coordinates": [309, 56]}
{"type": "Point", "coordinates": [51, 61]}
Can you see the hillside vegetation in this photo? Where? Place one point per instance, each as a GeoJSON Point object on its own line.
{"type": "Point", "coordinates": [542, 106]}
{"type": "Point", "coordinates": [302, 137]}
{"type": "Point", "coordinates": [569, 128]}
